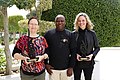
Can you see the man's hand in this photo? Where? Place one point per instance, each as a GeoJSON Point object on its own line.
{"type": "Point", "coordinates": [48, 68]}
{"type": "Point", "coordinates": [69, 72]}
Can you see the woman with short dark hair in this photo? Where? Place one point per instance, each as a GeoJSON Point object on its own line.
{"type": "Point", "coordinates": [30, 49]}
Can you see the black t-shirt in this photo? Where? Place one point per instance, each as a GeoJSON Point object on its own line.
{"type": "Point", "coordinates": [61, 45]}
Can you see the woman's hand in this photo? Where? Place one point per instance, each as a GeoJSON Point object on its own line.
{"type": "Point", "coordinates": [78, 57]}
{"type": "Point", "coordinates": [41, 57]}
{"type": "Point", "coordinates": [45, 56]}
{"type": "Point", "coordinates": [27, 60]}
{"type": "Point", "coordinates": [18, 56]}
{"type": "Point", "coordinates": [89, 57]}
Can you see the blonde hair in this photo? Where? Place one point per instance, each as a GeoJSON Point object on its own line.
{"type": "Point", "coordinates": [89, 23]}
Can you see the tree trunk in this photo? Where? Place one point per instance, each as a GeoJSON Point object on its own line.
{"type": "Point", "coordinates": [6, 41]}
{"type": "Point", "coordinates": [39, 9]}
{"type": "Point", "coordinates": [20, 34]}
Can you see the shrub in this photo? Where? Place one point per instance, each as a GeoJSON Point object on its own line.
{"type": "Point", "coordinates": [2, 60]}
{"type": "Point", "coordinates": [105, 14]}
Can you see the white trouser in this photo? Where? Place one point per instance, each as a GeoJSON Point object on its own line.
{"type": "Point", "coordinates": [59, 75]}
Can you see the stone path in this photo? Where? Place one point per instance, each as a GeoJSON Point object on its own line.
{"type": "Point", "coordinates": [10, 77]}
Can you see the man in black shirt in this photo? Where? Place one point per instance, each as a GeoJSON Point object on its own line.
{"type": "Point", "coordinates": [61, 47]}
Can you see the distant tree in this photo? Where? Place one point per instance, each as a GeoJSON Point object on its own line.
{"type": "Point", "coordinates": [25, 4]}
{"type": "Point", "coordinates": [105, 14]}
{"type": "Point", "coordinates": [3, 10]}
{"type": "Point", "coordinates": [13, 25]}
{"type": "Point", "coordinates": [41, 5]}
{"type": "Point", "coordinates": [23, 24]}
{"type": "Point", "coordinates": [32, 13]}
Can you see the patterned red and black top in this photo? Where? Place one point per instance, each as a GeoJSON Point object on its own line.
{"type": "Point", "coordinates": [21, 47]}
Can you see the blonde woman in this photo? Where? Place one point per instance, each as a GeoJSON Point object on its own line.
{"type": "Point", "coordinates": [87, 46]}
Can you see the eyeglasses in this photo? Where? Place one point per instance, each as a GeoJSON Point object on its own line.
{"type": "Point", "coordinates": [33, 24]}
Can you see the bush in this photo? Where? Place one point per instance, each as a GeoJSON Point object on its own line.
{"type": "Point", "coordinates": [105, 14]}
{"type": "Point", "coordinates": [1, 40]}
{"type": "Point", "coordinates": [2, 60]}
{"type": "Point", "coordinates": [45, 25]}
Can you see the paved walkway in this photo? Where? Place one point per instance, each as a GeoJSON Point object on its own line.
{"type": "Point", "coordinates": [10, 77]}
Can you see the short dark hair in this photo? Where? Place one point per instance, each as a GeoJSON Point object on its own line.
{"type": "Point", "coordinates": [33, 17]}
{"type": "Point", "coordinates": [59, 15]}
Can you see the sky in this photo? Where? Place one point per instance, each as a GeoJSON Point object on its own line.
{"type": "Point", "coordinates": [15, 11]}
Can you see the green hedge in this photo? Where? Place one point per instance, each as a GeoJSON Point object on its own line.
{"type": "Point", "coordinates": [2, 60]}
{"type": "Point", "coordinates": [45, 25]}
{"type": "Point", "coordinates": [105, 14]}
